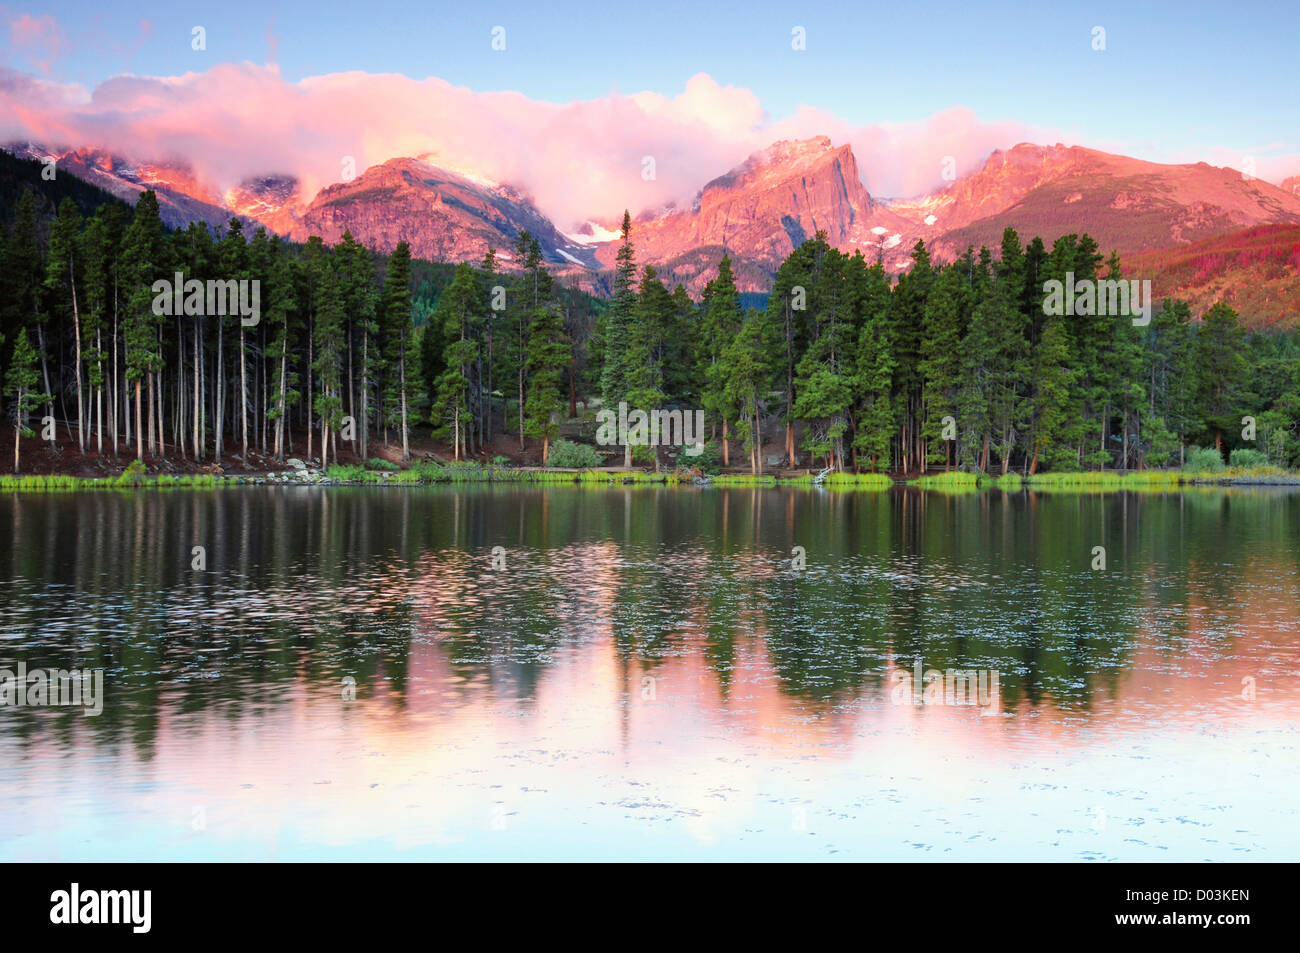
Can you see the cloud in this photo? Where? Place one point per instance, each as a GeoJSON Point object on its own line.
{"type": "Point", "coordinates": [579, 161]}
{"type": "Point", "coordinates": [38, 40]}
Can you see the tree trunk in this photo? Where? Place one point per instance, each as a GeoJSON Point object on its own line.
{"type": "Point", "coordinates": [220, 394]}
{"type": "Point", "coordinates": [18, 426]}
{"type": "Point", "coordinates": [406, 447]}
{"type": "Point", "coordinates": [139, 429]}
{"type": "Point", "coordinates": [198, 451]}
{"type": "Point", "coordinates": [45, 374]}
{"type": "Point", "coordinates": [243, 396]}
{"type": "Point", "coordinates": [148, 376]}
{"type": "Point", "coordinates": [76, 365]}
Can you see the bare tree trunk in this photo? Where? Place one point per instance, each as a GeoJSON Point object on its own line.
{"type": "Point", "coordinates": [243, 396]}
{"type": "Point", "coordinates": [99, 394]}
{"type": "Point", "coordinates": [309, 343]}
{"type": "Point", "coordinates": [406, 448]}
{"type": "Point", "coordinates": [282, 421]}
{"type": "Point", "coordinates": [76, 327]}
{"type": "Point", "coordinates": [148, 376]}
{"type": "Point", "coordinates": [162, 446]}
{"type": "Point", "coordinates": [139, 429]}
{"type": "Point", "coordinates": [365, 395]}
{"type": "Point", "coordinates": [45, 374]}
{"type": "Point", "coordinates": [221, 392]}
{"type": "Point", "coordinates": [198, 372]}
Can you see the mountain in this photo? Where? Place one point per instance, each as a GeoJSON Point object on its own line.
{"type": "Point", "coordinates": [759, 212]}
{"type": "Point", "coordinates": [18, 175]}
{"type": "Point", "coordinates": [270, 200]}
{"type": "Point", "coordinates": [1256, 270]}
{"type": "Point", "coordinates": [181, 197]}
{"type": "Point", "coordinates": [443, 215]}
{"type": "Point", "coordinates": [1125, 204]}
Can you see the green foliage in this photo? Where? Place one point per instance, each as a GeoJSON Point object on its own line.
{"type": "Point", "coordinates": [1247, 458]}
{"type": "Point", "coordinates": [861, 368]}
{"type": "Point", "coordinates": [133, 475]}
{"type": "Point", "coordinates": [566, 454]}
{"type": "Point", "coordinates": [1203, 460]}
{"type": "Point", "coordinates": [708, 460]}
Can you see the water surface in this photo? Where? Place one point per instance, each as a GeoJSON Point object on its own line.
{"type": "Point", "coordinates": [646, 673]}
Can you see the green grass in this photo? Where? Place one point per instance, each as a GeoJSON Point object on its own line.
{"type": "Point", "coordinates": [954, 481]}
{"type": "Point", "coordinates": [742, 479]}
{"type": "Point", "coordinates": [1158, 479]}
{"type": "Point", "coordinates": [842, 481]}
{"type": "Point", "coordinates": [425, 472]}
{"type": "Point", "coordinates": [863, 481]}
{"type": "Point", "coordinates": [53, 482]}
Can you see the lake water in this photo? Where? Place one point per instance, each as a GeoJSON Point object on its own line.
{"type": "Point", "coordinates": [651, 673]}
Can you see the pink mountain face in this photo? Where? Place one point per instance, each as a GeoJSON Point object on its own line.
{"type": "Point", "coordinates": [757, 212]}
{"type": "Point", "coordinates": [442, 215]}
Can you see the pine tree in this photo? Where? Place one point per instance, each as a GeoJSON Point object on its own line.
{"type": "Point", "coordinates": [1222, 370]}
{"type": "Point", "coordinates": [906, 314]}
{"type": "Point", "coordinates": [146, 258]}
{"type": "Point", "coordinates": [615, 380]}
{"type": "Point", "coordinates": [720, 324]}
{"type": "Point", "coordinates": [748, 366]}
{"type": "Point", "coordinates": [940, 362]}
{"type": "Point", "coordinates": [875, 371]}
{"type": "Point", "coordinates": [328, 345]}
{"type": "Point", "coordinates": [458, 312]}
{"type": "Point", "coordinates": [63, 271]}
{"type": "Point", "coordinates": [21, 384]}
{"type": "Point", "coordinates": [397, 320]}
{"type": "Point", "coordinates": [281, 319]}
{"type": "Point", "coordinates": [548, 355]}
{"type": "Point", "coordinates": [1054, 378]}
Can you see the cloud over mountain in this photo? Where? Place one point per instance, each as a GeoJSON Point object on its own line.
{"type": "Point", "coordinates": [582, 160]}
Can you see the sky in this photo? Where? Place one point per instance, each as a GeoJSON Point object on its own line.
{"type": "Point", "coordinates": [581, 93]}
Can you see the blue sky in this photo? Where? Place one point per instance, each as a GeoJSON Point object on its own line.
{"type": "Point", "coordinates": [1173, 77]}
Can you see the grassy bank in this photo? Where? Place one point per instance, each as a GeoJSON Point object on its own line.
{"type": "Point", "coordinates": [427, 473]}
{"type": "Point", "coordinates": [1162, 479]}
{"type": "Point", "coordinates": [957, 482]}
{"type": "Point", "coordinates": [58, 481]}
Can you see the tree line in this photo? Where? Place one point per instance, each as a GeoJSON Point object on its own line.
{"type": "Point", "coordinates": [954, 366]}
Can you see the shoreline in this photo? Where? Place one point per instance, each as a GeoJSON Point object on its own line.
{"type": "Point", "coordinates": [429, 474]}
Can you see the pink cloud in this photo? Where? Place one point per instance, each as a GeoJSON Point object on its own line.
{"type": "Point", "coordinates": [38, 40]}
{"type": "Point", "coordinates": [581, 160]}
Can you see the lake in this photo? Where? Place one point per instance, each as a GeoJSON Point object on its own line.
{"type": "Point", "coordinates": [650, 673]}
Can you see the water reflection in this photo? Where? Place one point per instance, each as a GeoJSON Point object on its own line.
{"type": "Point", "coordinates": [647, 674]}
